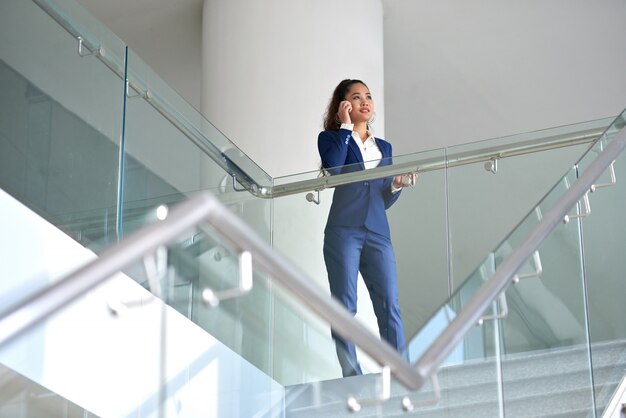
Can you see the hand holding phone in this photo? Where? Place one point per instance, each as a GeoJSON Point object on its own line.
{"type": "Point", "coordinates": [345, 107]}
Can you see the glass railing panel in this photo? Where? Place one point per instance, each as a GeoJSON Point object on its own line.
{"type": "Point", "coordinates": [418, 233]}
{"type": "Point", "coordinates": [165, 103]}
{"type": "Point", "coordinates": [60, 124]}
{"type": "Point", "coordinates": [535, 141]}
{"type": "Point", "coordinates": [267, 325]}
{"type": "Point", "coordinates": [603, 236]}
{"type": "Point", "coordinates": [419, 236]}
{"type": "Point", "coordinates": [120, 351]}
{"type": "Point", "coordinates": [96, 37]}
{"type": "Point", "coordinates": [544, 344]}
{"type": "Point", "coordinates": [167, 160]}
{"type": "Point", "coordinates": [138, 213]}
{"type": "Point", "coordinates": [23, 398]}
{"type": "Point", "coordinates": [271, 328]}
{"type": "Point", "coordinates": [469, 378]}
{"type": "Point", "coordinates": [485, 205]}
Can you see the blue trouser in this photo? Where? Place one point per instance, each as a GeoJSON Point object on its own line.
{"type": "Point", "coordinates": [348, 250]}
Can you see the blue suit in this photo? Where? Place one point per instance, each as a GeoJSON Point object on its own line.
{"type": "Point", "coordinates": [357, 238]}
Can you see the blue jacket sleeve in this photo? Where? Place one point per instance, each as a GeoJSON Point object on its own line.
{"type": "Point", "coordinates": [333, 149]}
{"type": "Point", "coordinates": [388, 196]}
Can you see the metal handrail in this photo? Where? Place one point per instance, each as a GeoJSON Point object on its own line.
{"type": "Point", "coordinates": [439, 350]}
{"type": "Point", "coordinates": [617, 406]}
{"type": "Point", "coordinates": [185, 127]}
{"type": "Point", "coordinates": [423, 165]}
{"type": "Point", "coordinates": [182, 219]}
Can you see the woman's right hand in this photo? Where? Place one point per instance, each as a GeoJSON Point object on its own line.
{"type": "Point", "coordinates": [345, 108]}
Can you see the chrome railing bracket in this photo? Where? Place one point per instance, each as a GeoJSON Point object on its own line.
{"type": "Point", "coordinates": [612, 182]}
{"type": "Point", "coordinates": [492, 165]}
{"type": "Point", "coordinates": [99, 51]}
{"type": "Point", "coordinates": [212, 298]}
{"type": "Point", "coordinates": [155, 266]}
{"type": "Point", "coordinates": [409, 405]}
{"type": "Point", "coordinates": [235, 184]}
{"type": "Point", "coordinates": [355, 405]}
{"type": "Point", "coordinates": [536, 273]}
{"type": "Point", "coordinates": [129, 88]}
{"type": "Point", "coordinates": [312, 198]}
{"type": "Point", "coordinates": [586, 206]}
{"type": "Point", "coordinates": [504, 311]}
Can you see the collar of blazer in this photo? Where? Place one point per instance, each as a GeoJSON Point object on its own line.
{"type": "Point", "coordinates": [354, 147]}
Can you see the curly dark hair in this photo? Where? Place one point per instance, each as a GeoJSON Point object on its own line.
{"type": "Point", "coordinates": [331, 122]}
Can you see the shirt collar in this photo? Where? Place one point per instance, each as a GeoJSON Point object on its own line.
{"type": "Point", "coordinates": [368, 142]}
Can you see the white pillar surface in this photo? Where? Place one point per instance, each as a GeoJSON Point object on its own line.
{"type": "Point", "coordinates": [270, 66]}
{"type": "Point", "coordinates": [269, 70]}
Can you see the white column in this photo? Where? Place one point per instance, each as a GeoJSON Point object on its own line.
{"type": "Point", "coordinates": [270, 66]}
{"type": "Point", "coordinates": [269, 70]}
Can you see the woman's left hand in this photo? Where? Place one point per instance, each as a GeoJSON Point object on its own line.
{"type": "Point", "coordinates": [404, 180]}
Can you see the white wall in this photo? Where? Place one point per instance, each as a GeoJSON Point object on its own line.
{"type": "Point", "coordinates": [270, 68]}
{"type": "Point", "coordinates": [458, 71]}
{"type": "Point", "coordinates": [454, 71]}
{"type": "Point", "coordinates": [165, 34]}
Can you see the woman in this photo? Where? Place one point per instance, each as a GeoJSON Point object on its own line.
{"type": "Point", "coordinates": [357, 236]}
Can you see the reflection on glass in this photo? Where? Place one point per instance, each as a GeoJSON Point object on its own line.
{"type": "Point", "coordinates": [183, 123]}
{"type": "Point", "coordinates": [153, 361]}
{"type": "Point", "coordinates": [603, 234]}
{"type": "Point", "coordinates": [266, 326]}
{"type": "Point", "coordinates": [484, 207]}
{"type": "Point", "coordinates": [23, 398]}
{"type": "Point", "coordinates": [60, 125]}
{"type": "Point", "coordinates": [544, 335]}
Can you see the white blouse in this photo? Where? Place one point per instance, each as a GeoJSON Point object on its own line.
{"type": "Point", "coordinates": [369, 150]}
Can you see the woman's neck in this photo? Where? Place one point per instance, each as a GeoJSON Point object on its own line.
{"type": "Point", "coordinates": [361, 129]}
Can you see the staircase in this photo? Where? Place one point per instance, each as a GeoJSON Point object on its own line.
{"type": "Point", "coordinates": [61, 152]}
{"type": "Point", "coordinates": [544, 384]}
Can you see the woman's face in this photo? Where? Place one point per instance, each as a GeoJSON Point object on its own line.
{"type": "Point", "coordinates": [360, 98]}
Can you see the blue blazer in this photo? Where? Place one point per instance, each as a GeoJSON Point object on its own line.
{"type": "Point", "coordinates": [362, 203]}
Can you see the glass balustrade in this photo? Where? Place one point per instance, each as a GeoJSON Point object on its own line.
{"type": "Point", "coordinates": [416, 224]}
{"type": "Point", "coordinates": [602, 238]}
{"type": "Point", "coordinates": [554, 356]}
{"type": "Point", "coordinates": [169, 148]}
{"type": "Point", "coordinates": [120, 351]}
{"type": "Point", "coordinates": [72, 111]}
{"type": "Point", "coordinates": [23, 398]}
{"type": "Point", "coordinates": [487, 198]}
{"type": "Point", "coordinates": [457, 211]}
{"type": "Point", "coordinates": [543, 338]}
{"type": "Point", "coordinates": [60, 122]}
{"type": "Point", "coordinates": [267, 326]}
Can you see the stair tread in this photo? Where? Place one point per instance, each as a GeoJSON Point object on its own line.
{"type": "Point", "coordinates": [471, 387]}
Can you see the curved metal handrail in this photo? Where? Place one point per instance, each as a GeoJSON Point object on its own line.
{"type": "Point", "coordinates": [185, 127]}
{"type": "Point", "coordinates": [423, 165]}
{"type": "Point", "coordinates": [183, 218]}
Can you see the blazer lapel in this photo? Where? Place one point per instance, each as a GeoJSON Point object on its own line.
{"type": "Point", "coordinates": [384, 151]}
{"type": "Point", "coordinates": [356, 151]}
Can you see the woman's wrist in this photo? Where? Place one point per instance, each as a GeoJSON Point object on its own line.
{"type": "Point", "coordinates": [348, 126]}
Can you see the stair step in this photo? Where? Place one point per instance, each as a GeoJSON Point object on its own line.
{"type": "Point", "coordinates": [556, 385]}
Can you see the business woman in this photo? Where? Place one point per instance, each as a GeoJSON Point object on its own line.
{"type": "Point", "coordinates": [356, 237]}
